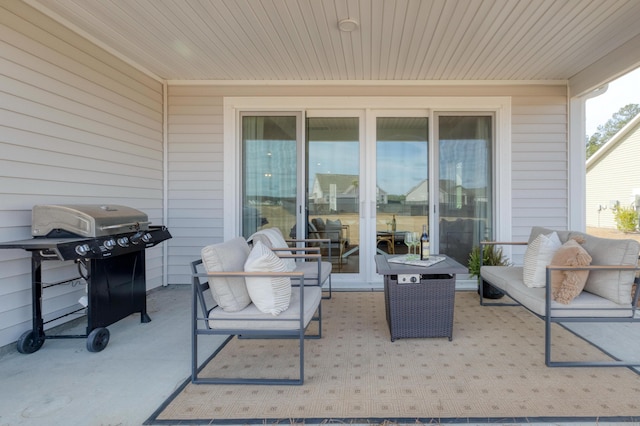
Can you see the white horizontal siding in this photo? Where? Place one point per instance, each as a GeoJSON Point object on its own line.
{"type": "Point", "coordinates": [77, 125]}
{"type": "Point", "coordinates": [614, 177]}
{"type": "Point", "coordinates": [539, 162]}
{"type": "Point", "coordinates": [195, 171]}
{"type": "Point", "coordinates": [196, 218]}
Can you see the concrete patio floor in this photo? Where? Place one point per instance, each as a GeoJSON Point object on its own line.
{"type": "Point", "coordinates": [64, 384]}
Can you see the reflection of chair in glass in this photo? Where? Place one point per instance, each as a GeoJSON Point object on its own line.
{"type": "Point", "coordinates": [335, 232]}
{"type": "Point", "coordinates": [389, 239]}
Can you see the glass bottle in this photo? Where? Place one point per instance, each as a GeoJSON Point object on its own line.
{"type": "Point", "coordinates": [424, 244]}
{"type": "Point", "coordinates": [393, 224]}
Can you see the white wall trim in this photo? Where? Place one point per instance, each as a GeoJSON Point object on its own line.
{"type": "Point", "coordinates": [500, 105]}
{"type": "Point", "coordinates": [577, 157]}
{"type": "Point", "coordinates": [378, 83]}
{"type": "Point", "coordinates": [165, 179]}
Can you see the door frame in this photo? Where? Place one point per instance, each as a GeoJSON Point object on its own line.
{"type": "Point", "coordinates": [499, 105]}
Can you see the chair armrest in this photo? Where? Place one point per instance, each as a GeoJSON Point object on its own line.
{"type": "Point", "coordinates": [305, 256]}
{"type": "Point", "coordinates": [594, 268]}
{"type": "Point", "coordinates": [296, 249]}
{"type": "Point", "coordinates": [503, 243]}
{"type": "Point", "coordinates": [298, 275]}
{"type": "Point", "coordinates": [309, 240]}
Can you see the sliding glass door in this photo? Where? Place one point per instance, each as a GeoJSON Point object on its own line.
{"type": "Point", "coordinates": [270, 172]}
{"type": "Point", "coordinates": [333, 187]}
{"type": "Point", "coordinates": [362, 179]}
{"type": "Point", "coordinates": [465, 203]}
{"type": "Point", "coordinates": [402, 181]}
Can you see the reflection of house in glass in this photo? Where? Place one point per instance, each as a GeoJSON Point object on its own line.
{"type": "Point", "coordinates": [338, 193]}
{"type": "Point", "coordinates": [451, 197]}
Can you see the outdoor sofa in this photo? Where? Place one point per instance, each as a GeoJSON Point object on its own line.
{"type": "Point", "coordinates": [570, 277]}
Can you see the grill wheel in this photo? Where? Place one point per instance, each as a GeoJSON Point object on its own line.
{"type": "Point", "coordinates": [97, 340]}
{"type": "Point", "coordinates": [30, 342]}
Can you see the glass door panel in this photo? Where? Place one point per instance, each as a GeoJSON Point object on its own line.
{"type": "Point", "coordinates": [333, 187]}
{"type": "Point", "coordinates": [269, 173]}
{"type": "Point", "coordinates": [466, 189]}
{"type": "Point", "coordinates": [402, 185]}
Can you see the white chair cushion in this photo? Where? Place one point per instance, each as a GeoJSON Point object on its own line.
{"type": "Point", "coordinates": [252, 319]}
{"type": "Point", "coordinates": [271, 295]}
{"type": "Point", "coordinates": [230, 293]}
{"type": "Point", "coordinates": [536, 258]}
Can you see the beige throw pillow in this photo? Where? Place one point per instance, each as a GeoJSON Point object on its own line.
{"type": "Point", "coordinates": [536, 258]}
{"type": "Point", "coordinates": [567, 285]}
{"type": "Point", "coordinates": [271, 295]}
{"type": "Point", "coordinates": [230, 293]}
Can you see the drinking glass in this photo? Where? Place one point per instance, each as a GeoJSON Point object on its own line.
{"type": "Point", "coordinates": [408, 240]}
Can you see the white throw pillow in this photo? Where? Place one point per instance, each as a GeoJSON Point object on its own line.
{"type": "Point", "coordinates": [271, 295]}
{"type": "Point", "coordinates": [538, 255]}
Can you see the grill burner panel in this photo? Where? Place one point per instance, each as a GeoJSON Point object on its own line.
{"type": "Point", "coordinates": [92, 248]}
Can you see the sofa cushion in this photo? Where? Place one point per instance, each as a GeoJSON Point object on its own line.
{"type": "Point", "coordinates": [567, 285]}
{"type": "Point", "coordinates": [271, 295]}
{"type": "Point", "coordinates": [536, 258]}
{"type": "Point", "coordinates": [612, 285]}
{"type": "Point", "coordinates": [563, 236]}
{"type": "Point", "coordinates": [230, 293]}
{"type": "Point", "coordinates": [272, 238]}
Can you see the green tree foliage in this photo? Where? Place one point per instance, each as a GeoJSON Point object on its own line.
{"type": "Point", "coordinates": [611, 127]}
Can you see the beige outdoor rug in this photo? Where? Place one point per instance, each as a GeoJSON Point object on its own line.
{"type": "Point", "coordinates": [493, 370]}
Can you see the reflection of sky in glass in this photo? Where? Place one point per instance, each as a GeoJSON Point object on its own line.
{"type": "Point", "coordinates": [334, 157]}
{"type": "Point", "coordinates": [400, 166]}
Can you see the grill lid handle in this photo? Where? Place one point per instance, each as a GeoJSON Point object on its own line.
{"type": "Point", "coordinates": [124, 225]}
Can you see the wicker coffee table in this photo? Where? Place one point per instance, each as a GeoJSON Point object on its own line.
{"type": "Point", "coordinates": [423, 307]}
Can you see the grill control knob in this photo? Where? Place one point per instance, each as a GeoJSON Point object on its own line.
{"type": "Point", "coordinates": [135, 238]}
{"type": "Point", "coordinates": [123, 241]}
{"type": "Point", "coordinates": [110, 244]}
{"type": "Point", "coordinates": [83, 249]}
{"type": "Point", "coordinates": [147, 237]}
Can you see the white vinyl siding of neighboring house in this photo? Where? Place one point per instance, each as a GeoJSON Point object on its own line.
{"type": "Point", "coordinates": [196, 217]}
{"type": "Point", "coordinates": [77, 125]}
{"type": "Point", "coordinates": [613, 175]}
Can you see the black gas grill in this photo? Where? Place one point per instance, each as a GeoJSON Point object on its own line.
{"type": "Point", "coordinates": [107, 242]}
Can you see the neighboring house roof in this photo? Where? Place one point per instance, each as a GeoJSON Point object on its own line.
{"type": "Point", "coordinates": [345, 184]}
{"type": "Point", "coordinates": [611, 144]}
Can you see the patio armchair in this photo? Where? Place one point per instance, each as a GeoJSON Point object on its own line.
{"type": "Point", "coordinates": [238, 293]}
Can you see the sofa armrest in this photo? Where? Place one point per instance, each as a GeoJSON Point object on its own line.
{"type": "Point", "coordinates": [498, 243]}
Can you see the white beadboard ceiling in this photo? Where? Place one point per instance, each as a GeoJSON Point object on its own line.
{"type": "Point", "coordinates": [396, 39]}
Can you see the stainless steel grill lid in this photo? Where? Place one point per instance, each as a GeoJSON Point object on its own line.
{"type": "Point", "coordinates": [86, 220]}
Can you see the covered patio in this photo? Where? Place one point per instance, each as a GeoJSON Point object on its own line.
{"type": "Point", "coordinates": [139, 103]}
{"type": "Point", "coordinates": [145, 364]}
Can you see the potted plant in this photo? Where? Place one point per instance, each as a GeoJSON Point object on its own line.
{"type": "Point", "coordinates": [492, 256]}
